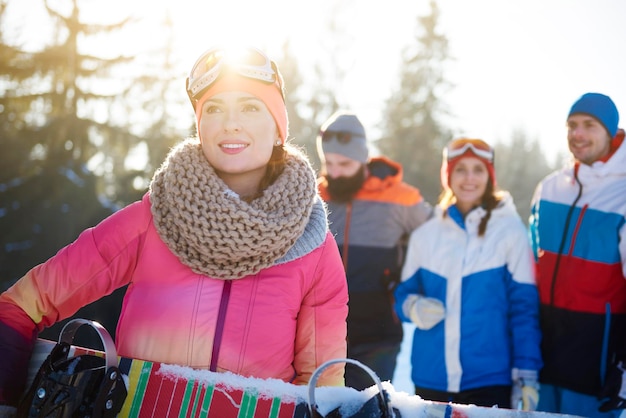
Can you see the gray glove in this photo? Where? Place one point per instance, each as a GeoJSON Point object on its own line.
{"type": "Point", "coordinates": [424, 312]}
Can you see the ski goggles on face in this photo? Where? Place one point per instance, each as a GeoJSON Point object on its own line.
{"type": "Point", "coordinates": [342, 136]}
{"type": "Point", "coordinates": [248, 62]}
{"type": "Point", "coordinates": [459, 147]}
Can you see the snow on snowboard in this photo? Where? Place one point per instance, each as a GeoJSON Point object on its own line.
{"type": "Point", "coordinates": [162, 390]}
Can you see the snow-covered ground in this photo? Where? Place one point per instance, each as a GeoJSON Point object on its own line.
{"type": "Point", "coordinates": [402, 376]}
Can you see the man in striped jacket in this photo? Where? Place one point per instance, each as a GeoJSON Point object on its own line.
{"type": "Point", "coordinates": [578, 231]}
{"type": "Point", "coordinates": [371, 213]}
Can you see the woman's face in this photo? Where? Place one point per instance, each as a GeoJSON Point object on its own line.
{"type": "Point", "coordinates": [468, 181]}
{"type": "Point", "coordinates": [238, 133]}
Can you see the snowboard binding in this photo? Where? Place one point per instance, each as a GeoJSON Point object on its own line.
{"type": "Point", "coordinates": [82, 386]}
{"type": "Point", "coordinates": [376, 407]}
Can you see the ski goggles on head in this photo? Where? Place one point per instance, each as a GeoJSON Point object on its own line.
{"type": "Point", "coordinates": [343, 137]}
{"type": "Point", "coordinates": [459, 147]}
{"type": "Point", "coordinates": [247, 62]}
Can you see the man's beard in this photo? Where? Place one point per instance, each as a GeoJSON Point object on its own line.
{"type": "Point", "coordinates": [343, 189]}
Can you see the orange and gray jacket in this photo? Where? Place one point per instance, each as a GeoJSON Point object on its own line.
{"type": "Point", "coordinates": [371, 233]}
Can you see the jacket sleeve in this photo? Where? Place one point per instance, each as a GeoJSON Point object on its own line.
{"type": "Point", "coordinates": [98, 262]}
{"type": "Point", "coordinates": [321, 328]}
{"type": "Point", "coordinates": [417, 214]}
{"type": "Point", "coordinates": [416, 210]}
{"type": "Point", "coordinates": [16, 345]}
{"type": "Point", "coordinates": [523, 302]}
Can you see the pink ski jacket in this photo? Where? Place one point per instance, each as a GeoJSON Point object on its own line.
{"type": "Point", "coordinates": [280, 323]}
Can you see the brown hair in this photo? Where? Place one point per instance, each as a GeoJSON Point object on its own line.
{"type": "Point", "coordinates": [275, 167]}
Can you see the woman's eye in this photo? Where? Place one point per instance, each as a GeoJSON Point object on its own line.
{"type": "Point", "coordinates": [211, 109]}
{"type": "Point", "coordinates": [250, 107]}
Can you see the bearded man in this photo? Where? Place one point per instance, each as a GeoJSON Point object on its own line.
{"type": "Point", "coordinates": [371, 212]}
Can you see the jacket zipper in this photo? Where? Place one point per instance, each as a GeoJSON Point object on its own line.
{"type": "Point", "coordinates": [564, 237]}
{"type": "Point", "coordinates": [219, 325]}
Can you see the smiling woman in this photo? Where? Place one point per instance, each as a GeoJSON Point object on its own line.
{"type": "Point", "coordinates": [476, 242]}
{"type": "Point", "coordinates": [232, 265]}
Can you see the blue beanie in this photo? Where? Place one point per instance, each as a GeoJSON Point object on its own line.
{"type": "Point", "coordinates": [600, 107]}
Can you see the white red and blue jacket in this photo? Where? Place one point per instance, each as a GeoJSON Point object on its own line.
{"type": "Point", "coordinates": [578, 233]}
{"type": "Point", "coordinates": [487, 286]}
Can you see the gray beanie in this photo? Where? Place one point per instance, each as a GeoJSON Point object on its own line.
{"type": "Point", "coordinates": [344, 122]}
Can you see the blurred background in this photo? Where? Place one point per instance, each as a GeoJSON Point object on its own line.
{"type": "Point", "coordinates": [92, 93]}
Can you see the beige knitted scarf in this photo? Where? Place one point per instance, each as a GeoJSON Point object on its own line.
{"type": "Point", "coordinates": [211, 230]}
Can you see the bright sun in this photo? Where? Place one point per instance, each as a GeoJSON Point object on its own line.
{"type": "Point", "coordinates": [196, 25]}
{"type": "Point", "coordinates": [200, 25]}
{"type": "Point", "coordinates": [502, 79]}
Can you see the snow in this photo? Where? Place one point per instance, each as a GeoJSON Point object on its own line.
{"type": "Point", "coordinates": [349, 400]}
{"type": "Point", "coordinates": [400, 390]}
{"type": "Point", "coordinates": [402, 376]}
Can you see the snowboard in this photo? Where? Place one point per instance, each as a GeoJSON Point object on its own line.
{"type": "Point", "coordinates": [163, 390]}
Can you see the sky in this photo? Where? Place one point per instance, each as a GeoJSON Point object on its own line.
{"type": "Point", "coordinates": [518, 64]}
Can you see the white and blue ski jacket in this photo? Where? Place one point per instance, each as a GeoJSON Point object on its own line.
{"type": "Point", "coordinates": [487, 286]}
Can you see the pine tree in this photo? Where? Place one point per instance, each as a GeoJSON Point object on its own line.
{"type": "Point", "coordinates": [52, 187]}
{"type": "Point", "coordinates": [520, 164]}
{"type": "Point", "coordinates": [300, 128]}
{"type": "Point", "coordinates": [311, 102]}
{"type": "Point", "coordinates": [158, 93]}
{"type": "Point", "coordinates": [412, 133]}
{"type": "Point", "coordinates": [50, 195]}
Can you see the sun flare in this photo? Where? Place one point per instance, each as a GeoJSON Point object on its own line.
{"type": "Point", "coordinates": [518, 66]}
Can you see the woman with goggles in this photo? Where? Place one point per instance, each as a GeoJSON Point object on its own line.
{"type": "Point", "coordinates": [228, 257]}
{"type": "Point", "coordinates": [468, 285]}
